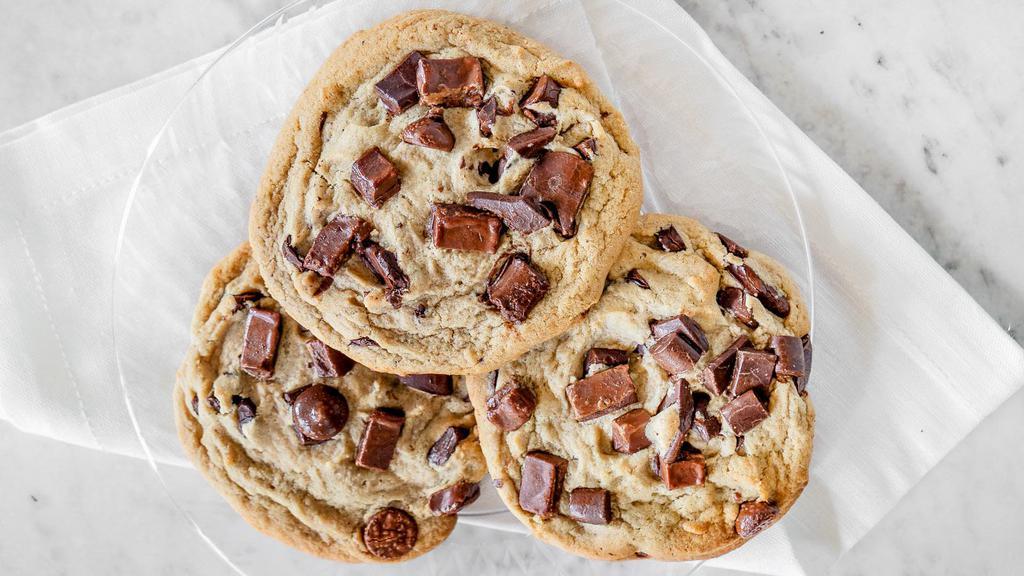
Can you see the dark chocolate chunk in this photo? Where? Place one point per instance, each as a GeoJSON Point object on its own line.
{"type": "Point", "coordinates": [245, 409]}
{"type": "Point", "coordinates": [492, 170]}
{"type": "Point", "coordinates": [375, 177]}
{"type": "Point", "coordinates": [377, 445]}
{"type": "Point", "coordinates": [604, 392]}
{"type": "Point", "coordinates": [587, 149]}
{"type": "Point", "coordinates": [450, 82]}
{"type": "Point", "coordinates": [390, 533]}
{"type": "Point", "coordinates": [259, 345]}
{"type": "Point", "coordinates": [320, 412]}
{"type": "Point", "coordinates": [681, 473]}
{"type": "Point", "coordinates": [674, 354]}
{"type": "Point", "coordinates": [247, 297]}
{"type": "Point", "coordinates": [669, 240]}
{"type": "Point", "coordinates": [290, 253]}
{"type": "Point", "coordinates": [755, 517]}
{"type": "Point", "coordinates": [790, 352]}
{"type": "Point", "coordinates": [437, 384]}
{"type": "Point", "coordinates": [486, 115]}
{"type": "Point", "coordinates": [213, 402]}
{"type": "Point", "coordinates": [541, 483]}
{"type": "Point", "coordinates": [545, 89]}
{"type": "Point", "coordinates": [541, 119]}
{"type": "Point", "coordinates": [671, 395]}
{"type": "Point", "coordinates": [364, 341]}
{"type": "Point", "coordinates": [734, 300]}
{"type": "Point", "coordinates": [384, 266]}
{"type": "Point", "coordinates": [634, 277]}
{"type": "Point", "coordinates": [684, 326]}
{"type": "Point", "coordinates": [606, 357]}
{"type": "Point", "coordinates": [753, 369]}
{"type": "Point", "coordinates": [511, 406]}
{"type": "Point", "coordinates": [740, 449]}
{"type": "Point", "coordinates": [748, 278]}
{"type": "Point", "coordinates": [704, 424]}
{"type": "Point", "coordinates": [429, 132]}
{"type": "Point", "coordinates": [628, 431]}
{"type": "Point", "coordinates": [530, 144]}
{"type": "Point", "coordinates": [289, 396]}
{"type": "Point", "coordinates": [560, 181]}
{"type": "Point", "coordinates": [516, 287]}
{"type": "Point", "coordinates": [744, 412]}
{"type": "Point", "coordinates": [515, 211]}
{"type": "Point", "coordinates": [450, 500]}
{"type": "Point", "coordinates": [685, 405]}
{"type": "Point", "coordinates": [445, 446]}
{"type": "Point", "coordinates": [801, 383]}
{"type": "Point", "coordinates": [327, 362]}
{"type": "Point", "coordinates": [732, 247]}
{"type": "Point", "coordinates": [464, 228]}
{"type": "Point", "coordinates": [775, 301]}
{"type": "Point", "coordinates": [397, 90]}
{"type": "Point", "coordinates": [718, 372]}
{"type": "Point", "coordinates": [590, 505]}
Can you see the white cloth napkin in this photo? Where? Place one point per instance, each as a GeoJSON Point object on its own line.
{"type": "Point", "coordinates": [906, 364]}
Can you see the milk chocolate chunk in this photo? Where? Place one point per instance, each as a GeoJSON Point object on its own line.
{"type": "Point", "coordinates": [430, 132]}
{"type": "Point", "coordinates": [732, 247]}
{"type": "Point", "coordinates": [247, 297]}
{"type": "Point", "coordinates": [606, 357]}
{"type": "Point", "coordinates": [516, 287]}
{"type": "Point", "coordinates": [436, 384]}
{"type": "Point", "coordinates": [734, 301]}
{"type": "Point", "coordinates": [377, 445]}
{"type": "Point", "coordinates": [681, 473]}
{"type": "Point", "coordinates": [748, 279]}
{"type": "Point", "coordinates": [685, 326]}
{"type": "Point", "coordinates": [320, 412]}
{"type": "Point", "coordinates": [325, 283]}
{"type": "Point", "coordinates": [604, 392]}
{"type": "Point", "coordinates": [327, 362]}
{"type": "Point", "coordinates": [718, 372]}
{"type": "Point", "coordinates": [530, 144]}
{"type": "Point", "coordinates": [384, 266]}
{"type": "Point", "coordinates": [674, 354]}
{"type": "Point", "coordinates": [445, 446]}
{"type": "Point", "coordinates": [628, 431]}
{"type": "Point", "coordinates": [541, 483]}
{"type": "Point", "coordinates": [290, 253]}
{"type": "Point", "coordinates": [375, 177]}
{"type": "Point", "coordinates": [775, 301]}
{"type": "Point", "coordinates": [511, 407]}
{"type": "Point", "coordinates": [397, 90]}
{"type": "Point", "coordinates": [541, 119]}
{"type": "Point", "coordinates": [464, 228]}
{"type": "Point", "coordinates": [790, 352]}
{"type": "Point", "coordinates": [486, 114]}
{"type": "Point", "coordinates": [516, 212]}
{"type": "Point", "coordinates": [634, 277]}
{"type": "Point", "coordinates": [744, 412]}
{"type": "Point", "coordinates": [245, 409]}
{"type": "Point", "coordinates": [335, 243]}
{"type": "Point", "coordinates": [290, 396]}
{"type": "Point", "coordinates": [457, 82]}
{"type": "Point", "coordinates": [801, 382]}
{"type": "Point", "coordinates": [590, 505]}
{"type": "Point", "coordinates": [671, 395]}
{"type": "Point", "coordinates": [685, 405]}
{"type": "Point", "coordinates": [755, 517]}
{"type": "Point", "coordinates": [560, 182]}
{"type": "Point", "coordinates": [704, 424]}
{"type": "Point", "coordinates": [587, 149]}
{"type": "Point", "coordinates": [259, 345]}
{"type": "Point", "coordinates": [545, 89]}
{"type": "Point", "coordinates": [754, 369]}
{"type": "Point", "coordinates": [450, 500]}
{"type": "Point", "coordinates": [669, 240]}
{"type": "Point", "coordinates": [390, 533]}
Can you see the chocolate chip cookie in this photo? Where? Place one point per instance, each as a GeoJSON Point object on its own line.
{"type": "Point", "coordinates": [311, 447]}
{"type": "Point", "coordinates": [445, 194]}
{"type": "Point", "coordinates": [673, 420]}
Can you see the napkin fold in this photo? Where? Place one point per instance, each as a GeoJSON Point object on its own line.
{"type": "Point", "coordinates": [906, 363]}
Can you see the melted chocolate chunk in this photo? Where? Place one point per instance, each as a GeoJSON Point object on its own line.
{"type": "Point", "coordinates": [669, 240]}
{"type": "Point", "coordinates": [516, 287]}
{"type": "Point", "coordinates": [753, 370]}
{"type": "Point", "coordinates": [628, 431]}
{"type": "Point", "coordinates": [674, 354]}
{"type": "Point", "coordinates": [606, 357]}
{"type": "Point", "coordinates": [634, 277]}
{"type": "Point", "coordinates": [590, 505]}
{"type": "Point", "coordinates": [375, 177]}
{"type": "Point", "coordinates": [718, 372]}
{"type": "Point", "coordinates": [247, 297]}
{"type": "Point", "coordinates": [445, 446]}
{"type": "Point", "coordinates": [390, 533]}
{"type": "Point", "coordinates": [530, 144]}
{"type": "Point", "coordinates": [511, 407]}
{"type": "Point", "coordinates": [732, 247]}
{"type": "Point", "coordinates": [384, 266]}
{"type": "Point", "coordinates": [259, 345]}
{"type": "Point", "coordinates": [327, 362]}
{"type": "Point", "coordinates": [464, 228]}
{"type": "Point", "coordinates": [545, 89]}
{"type": "Point", "coordinates": [734, 301]}
{"type": "Point", "coordinates": [682, 473]}
{"type": "Point", "coordinates": [684, 326]}
{"type": "Point", "coordinates": [377, 445]}
{"type": "Point", "coordinates": [541, 119]}
{"type": "Point", "coordinates": [602, 393]}
{"type": "Point", "coordinates": [587, 149]}
{"type": "Point", "coordinates": [515, 211]}
{"type": "Point", "coordinates": [801, 383]}
{"type": "Point", "coordinates": [364, 341]}
{"type": "Point", "coordinates": [486, 114]}
{"type": "Point", "coordinates": [744, 412]}
{"type": "Point", "coordinates": [560, 181]}
{"type": "Point", "coordinates": [748, 279]}
{"type": "Point", "coordinates": [320, 412]}
{"type": "Point", "coordinates": [397, 90]}
{"type": "Point", "coordinates": [290, 253]}
{"type": "Point", "coordinates": [455, 82]}
{"type": "Point", "coordinates": [755, 517]}
{"type": "Point", "coordinates": [775, 301]}
{"type": "Point", "coordinates": [245, 410]}
{"type": "Point", "coordinates": [436, 384]}
{"type": "Point", "coordinates": [790, 352]}
{"type": "Point", "coordinates": [541, 483]}
{"type": "Point", "coordinates": [430, 132]}
{"type": "Point", "coordinates": [450, 500]}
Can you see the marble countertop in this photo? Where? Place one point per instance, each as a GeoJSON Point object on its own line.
{"type": "Point", "coordinates": [918, 101]}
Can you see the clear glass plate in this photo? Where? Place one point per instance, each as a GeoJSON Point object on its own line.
{"type": "Point", "coordinates": [704, 155]}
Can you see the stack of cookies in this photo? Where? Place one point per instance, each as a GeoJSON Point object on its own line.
{"type": "Point", "coordinates": [447, 275]}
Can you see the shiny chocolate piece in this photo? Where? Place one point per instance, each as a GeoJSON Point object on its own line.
{"type": "Point", "coordinates": [541, 483]}
{"type": "Point", "coordinates": [671, 395]}
{"type": "Point", "coordinates": [704, 424]}
{"type": "Point", "coordinates": [718, 372]}
{"type": "Point", "coordinates": [732, 247]}
{"type": "Point", "coordinates": [790, 352]}
{"type": "Point", "coordinates": [377, 445]}
{"type": "Point", "coordinates": [686, 327]}
{"type": "Point", "coordinates": [748, 279]}
{"type": "Point", "coordinates": [744, 412]}
{"type": "Point", "coordinates": [681, 473]}
{"type": "Point", "coordinates": [397, 90]}
{"type": "Point", "coordinates": [754, 369]}
{"type": "Point", "coordinates": [775, 301]}
{"type": "Point", "coordinates": [754, 517]}
{"type": "Point", "coordinates": [587, 148]}
{"type": "Point", "coordinates": [734, 301]}
{"type": "Point", "coordinates": [541, 119]}
{"type": "Point", "coordinates": [560, 182]}
{"type": "Point", "coordinates": [530, 144]}
{"type": "Point", "coordinates": [604, 392]}
{"type": "Point", "coordinates": [486, 114]}
{"type": "Point", "coordinates": [445, 446]}
{"type": "Point", "coordinates": [244, 298]}
{"type": "Point", "coordinates": [545, 89]}
{"type": "Point", "coordinates": [290, 253]}
{"type": "Point", "coordinates": [669, 240]}
{"type": "Point", "coordinates": [327, 362]}
{"type": "Point", "coordinates": [259, 345]}
{"type": "Point", "coordinates": [511, 407]}
{"type": "Point", "coordinates": [801, 383]}
{"type": "Point", "coordinates": [686, 406]}
{"type": "Point", "coordinates": [448, 501]}
{"type": "Point", "coordinates": [436, 384]}
{"type": "Point", "coordinates": [245, 410]}
{"type": "Point", "coordinates": [320, 412]}
{"type": "Point", "coordinates": [516, 287]}
{"type": "Point", "coordinates": [516, 212]}
{"type": "Point", "coordinates": [390, 533]}
{"type": "Point", "coordinates": [456, 82]}
{"type": "Point", "coordinates": [430, 132]}
{"type": "Point", "coordinates": [335, 243]}
{"type": "Point", "coordinates": [464, 228]}
{"type": "Point", "coordinates": [674, 354]}
{"type": "Point", "coordinates": [628, 431]}
{"type": "Point", "coordinates": [606, 357]}
{"type": "Point", "coordinates": [634, 277]}
{"type": "Point", "coordinates": [289, 396]}
{"type": "Point", "coordinates": [384, 266]}
{"type": "Point", "coordinates": [375, 177]}
{"type": "Point", "coordinates": [590, 505]}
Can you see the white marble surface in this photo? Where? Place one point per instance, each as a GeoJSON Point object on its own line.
{"type": "Point", "coordinates": [919, 102]}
